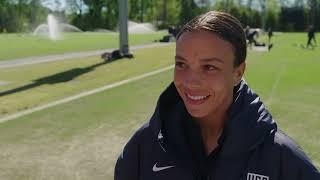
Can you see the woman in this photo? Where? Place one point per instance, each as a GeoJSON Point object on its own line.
{"type": "Point", "coordinates": [209, 124]}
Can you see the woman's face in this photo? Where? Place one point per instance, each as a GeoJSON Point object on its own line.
{"type": "Point", "coordinates": [205, 74]}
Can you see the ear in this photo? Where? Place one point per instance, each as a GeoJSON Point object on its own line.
{"type": "Point", "coordinates": [238, 73]}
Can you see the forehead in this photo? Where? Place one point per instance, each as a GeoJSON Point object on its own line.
{"type": "Point", "coordinates": [203, 45]}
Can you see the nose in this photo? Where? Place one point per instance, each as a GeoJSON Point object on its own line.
{"type": "Point", "coordinates": [193, 80]}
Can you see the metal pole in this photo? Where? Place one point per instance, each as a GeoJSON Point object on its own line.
{"type": "Point", "coordinates": [123, 27]}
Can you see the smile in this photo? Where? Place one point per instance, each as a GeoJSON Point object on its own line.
{"type": "Point", "coordinates": [196, 99]}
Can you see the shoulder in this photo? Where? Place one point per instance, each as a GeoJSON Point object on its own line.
{"type": "Point", "coordinates": [140, 135]}
{"type": "Point", "coordinates": [289, 148]}
{"type": "Point", "coordinates": [282, 158]}
{"type": "Point", "coordinates": [127, 164]}
{"type": "Point", "coordinates": [294, 162]}
{"type": "Point", "coordinates": [283, 151]}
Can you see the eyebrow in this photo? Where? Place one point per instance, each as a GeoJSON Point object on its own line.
{"type": "Point", "coordinates": [180, 57]}
{"type": "Point", "coordinates": [212, 59]}
{"type": "Point", "coordinates": [204, 60]}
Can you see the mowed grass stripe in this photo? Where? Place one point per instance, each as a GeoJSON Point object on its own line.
{"type": "Point", "coordinates": [87, 93]}
{"type": "Point", "coordinates": [79, 139]}
{"type": "Point", "coordinates": [68, 56]}
{"type": "Point", "coordinates": [53, 81]}
{"type": "Point", "coordinates": [13, 46]}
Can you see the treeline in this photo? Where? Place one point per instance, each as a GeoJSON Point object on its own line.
{"type": "Point", "coordinates": [21, 15]}
{"type": "Point", "coordinates": [281, 15]}
{"type": "Point", "coordinates": [277, 14]}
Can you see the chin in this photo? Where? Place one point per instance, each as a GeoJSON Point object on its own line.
{"type": "Point", "coordinates": [196, 113]}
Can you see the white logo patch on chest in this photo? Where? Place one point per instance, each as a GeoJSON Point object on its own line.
{"type": "Point", "coordinates": [253, 176]}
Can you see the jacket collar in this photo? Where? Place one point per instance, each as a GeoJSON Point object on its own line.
{"type": "Point", "coordinates": [248, 124]}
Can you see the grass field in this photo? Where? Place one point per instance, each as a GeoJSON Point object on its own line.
{"type": "Point", "coordinates": [39, 84]}
{"type": "Point", "coordinates": [81, 139]}
{"type": "Point", "coordinates": [14, 46]}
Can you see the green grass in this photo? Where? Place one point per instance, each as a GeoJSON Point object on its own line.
{"type": "Point", "coordinates": [14, 46]}
{"type": "Point", "coordinates": [78, 139]}
{"type": "Point", "coordinates": [42, 83]}
{"type": "Point", "coordinates": [81, 139]}
{"type": "Point", "coordinates": [287, 80]}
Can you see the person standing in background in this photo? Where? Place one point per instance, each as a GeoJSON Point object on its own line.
{"type": "Point", "coordinates": [311, 36]}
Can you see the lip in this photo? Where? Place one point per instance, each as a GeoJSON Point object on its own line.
{"type": "Point", "coordinates": [195, 102]}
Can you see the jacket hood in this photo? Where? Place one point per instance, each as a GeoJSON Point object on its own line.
{"type": "Point", "coordinates": [249, 122]}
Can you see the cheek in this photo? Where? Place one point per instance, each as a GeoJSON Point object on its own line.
{"type": "Point", "coordinates": [178, 82]}
{"type": "Point", "coordinates": [220, 83]}
{"type": "Point", "coordinates": [178, 77]}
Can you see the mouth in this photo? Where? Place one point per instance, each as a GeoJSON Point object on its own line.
{"type": "Point", "coordinates": [196, 99]}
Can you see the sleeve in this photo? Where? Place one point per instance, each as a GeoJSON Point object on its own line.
{"type": "Point", "coordinates": [295, 164]}
{"type": "Point", "coordinates": [127, 165]}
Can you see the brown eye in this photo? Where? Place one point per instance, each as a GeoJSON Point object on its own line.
{"type": "Point", "coordinates": [180, 65]}
{"type": "Point", "coordinates": [210, 67]}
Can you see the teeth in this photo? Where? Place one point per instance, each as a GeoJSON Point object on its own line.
{"type": "Point", "coordinates": [196, 97]}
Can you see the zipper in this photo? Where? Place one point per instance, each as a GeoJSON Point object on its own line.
{"type": "Point", "coordinates": [162, 144]}
{"type": "Point", "coordinates": [161, 141]}
{"type": "Point", "coordinates": [207, 169]}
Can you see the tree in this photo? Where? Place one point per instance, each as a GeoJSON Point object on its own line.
{"type": "Point", "coordinates": [249, 4]}
{"type": "Point", "coordinates": [299, 3]}
{"type": "Point", "coordinates": [272, 14]}
{"type": "Point", "coordinates": [36, 13]}
{"type": "Point", "coordinates": [313, 10]}
{"type": "Point", "coordinates": [94, 17]}
{"type": "Point", "coordinates": [174, 10]}
{"type": "Point", "coordinates": [240, 2]}
{"type": "Point", "coordinates": [292, 19]}
{"type": "Point", "coordinates": [75, 6]}
{"type": "Point", "coordinates": [188, 11]}
{"type": "Point", "coordinates": [225, 5]}
{"type": "Point", "coordinates": [20, 15]}
{"type": "Point", "coordinates": [111, 14]}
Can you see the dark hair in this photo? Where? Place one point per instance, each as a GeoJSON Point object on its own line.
{"type": "Point", "coordinates": [225, 26]}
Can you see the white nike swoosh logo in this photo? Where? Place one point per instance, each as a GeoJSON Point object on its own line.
{"type": "Point", "coordinates": [157, 169]}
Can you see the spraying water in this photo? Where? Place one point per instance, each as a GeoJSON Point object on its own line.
{"type": "Point", "coordinates": [140, 28]}
{"type": "Point", "coordinates": [53, 29]}
{"type": "Point", "coordinates": [53, 25]}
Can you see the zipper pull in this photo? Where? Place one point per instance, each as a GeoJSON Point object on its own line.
{"type": "Point", "coordinates": [160, 136]}
{"type": "Point", "coordinates": [160, 141]}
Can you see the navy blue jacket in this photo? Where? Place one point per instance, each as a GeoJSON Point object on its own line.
{"type": "Point", "coordinates": [169, 146]}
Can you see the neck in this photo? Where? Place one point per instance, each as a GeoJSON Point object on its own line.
{"type": "Point", "coordinates": [210, 133]}
{"type": "Point", "coordinates": [212, 127]}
